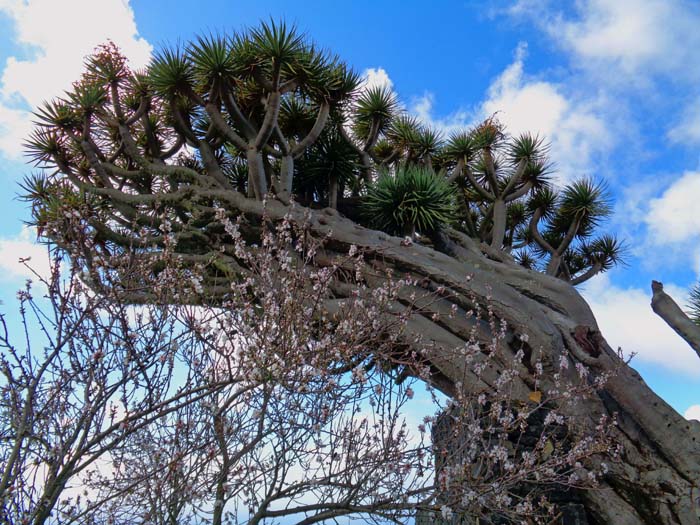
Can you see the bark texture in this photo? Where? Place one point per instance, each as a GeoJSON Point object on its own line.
{"type": "Point", "coordinates": [666, 308]}
{"type": "Point", "coordinates": [139, 190]}
{"type": "Point", "coordinates": [657, 480]}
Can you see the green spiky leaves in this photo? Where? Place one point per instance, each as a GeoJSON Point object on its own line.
{"type": "Point", "coordinates": [461, 145]}
{"type": "Point", "coordinates": [489, 134]}
{"type": "Point", "coordinates": [331, 157]}
{"type": "Point", "coordinates": [374, 110]}
{"type": "Point", "coordinates": [527, 147]}
{"type": "Point", "coordinates": [412, 199]}
{"type": "Point", "coordinates": [171, 72]}
{"type": "Point", "coordinates": [57, 114]}
{"type": "Point", "coordinates": [271, 57]}
{"type": "Point", "coordinates": [297, 116]}
{"type": "Point", "coordinates": [87, 98]}
{"type": "Point", "coordinates": [277, 42]}
{"type": "Point", "coordinates": [608, 251]}
{"type": "Point", "coordinates": [107, 65]}
{"type": "Point", "coordinates": [694, 304]}
{"type": "Point", "coordinates": [213, 62]}
{"type": "Point", "coordinates": [403, 131]}
{"type": "Point", "coordinates": [545, 200]}
{"type": "Point", "coordinates": [587, 199]}
{"type": "Point", "coordinates": [44, 146]}
{"type": "Point", "coordinates": [428, 143]}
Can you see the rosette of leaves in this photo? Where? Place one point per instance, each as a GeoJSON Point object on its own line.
{"type": "Point", "coordinates": [326, 169]}
{"type": "Point", "coordinates": [374, 111]}
{"type": "Point", "coordinates": [409, 200]}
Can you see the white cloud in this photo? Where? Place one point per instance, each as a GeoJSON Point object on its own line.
{"type": "Point", "coordinates": [693, 412]}
{"type": "Point", "coordinates": [687, 130]}
{"type": "Point", "coordinates": [15, 127]}
{"type": "Point", "coordinates": [376, 77]}
{"type": "Point", "coordinates": [575, 128]}
{"type": "Point", "coordinates": [626, 319]}
{"type": "Point", "coordinates": [61, 33]}
{"type": "Point", "coordinates": [673, 217]}
{"type": "Point", "coordinates": [628, 47]}
{"type": "Point", "coordinates": [422, 107]}
{"type": "Point", "coordinates": [634, 37]}
{"type": "Point", "coordinates": [22, 246]}
{"type": "Point", "coordinates": [629, 32]}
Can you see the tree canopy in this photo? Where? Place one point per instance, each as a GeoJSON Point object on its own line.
{"type": "Point", "coordinates": [143, 172]}
{"type": "Point", "coordinates": [268, 114]}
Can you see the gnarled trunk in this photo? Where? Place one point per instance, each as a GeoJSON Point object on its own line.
{"type": "Point", "coordinates": [658, 477]}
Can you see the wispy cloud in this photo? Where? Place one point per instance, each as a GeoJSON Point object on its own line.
{"type": "Point", "coordinates": [423, 108]}
{"type": "Point", "coordinates": [673, 216]}
{"type": "Point", "coordinates": [574, 125]}
{"type": "Point", "coordinates": [638, 38]}
{"type": "Point", "coordinates": [686, 130]}
{"type": "Point", "coordinates": [22, 257]}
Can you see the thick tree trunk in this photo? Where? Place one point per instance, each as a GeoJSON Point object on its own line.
{"type": "Point", "coordinates": [499, 223]}
{"type": "Point", "coordinates": [256, 174]}
{"type": "Point", "coordinates": [285, 179]}
{"type": "Point", "coordinates": [658, 478]}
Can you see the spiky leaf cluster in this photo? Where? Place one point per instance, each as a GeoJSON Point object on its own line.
{"type": "Point", "coordinates": [413, 198]}
{"type": "Point", "coordinates": [694, 304]}
{"type": "Point", "coordinates": [266, 113]}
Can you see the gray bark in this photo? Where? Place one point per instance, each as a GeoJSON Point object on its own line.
{"type": "Point", "coordinates": [666, 308]}
{"type": "Point", "coordinates": [658, 477]}
{"type": "Point", "coordinates": [499, 223]}
{"type": "Point", "coordinates": [256, 173]}
{"type": "Point", "coordinates": [286, 178]}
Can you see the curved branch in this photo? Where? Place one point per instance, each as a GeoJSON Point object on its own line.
{"type": "Point", "coordinates": [592, 271]}
{"type": "Point", "coordinates": [365, 158]}
{"type": "Point", "coordinates": [536, 233]}
{"type": "Point", "coordinates": [319, 124]}
{"type": "Point", "coordinates": [478, 187]}
{"type": "Point", "coordinates": [491, 171]}
{"type": "Point", "coordinates": [372, 136]}
{"type": "Point", "coordinates": [144, 106]}
{"type": "Point", "coordinates": [519, 192]}
{"type": "Point", "coordinates": [182, 125]}
{"type": "Point", "coordinates": [237, 115]}
{"type": "Point", "coordinates": [218, 120]}
{"type": "Point", "coordinates": [179, 142]}
{"type": "Point", "coordinates": [515, 178]}
{"type": "Point", "coordinates": [457, 171]}
{"type": "Point", "coordinates": [666, 308]}
{"type": "Point", "coordinates": [270, 121]}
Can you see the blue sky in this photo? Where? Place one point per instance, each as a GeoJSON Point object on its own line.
{"type": "Point", "coordinates": [615, 87]}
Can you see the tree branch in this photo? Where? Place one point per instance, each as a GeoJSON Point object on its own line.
{"type": "Point", "coordinates": [218, 120]}
{"type": "Point", "coordinates": [478, 187]}
{"type": "Point", "coordinates": [666, 308]}
{"type": "Point", "coordinates": [319, 124]}
{"type": "Point", "coordinates": [270, 121]}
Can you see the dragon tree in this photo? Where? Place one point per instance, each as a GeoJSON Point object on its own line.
{"type": "Point", "coordinates": [265, 125]}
